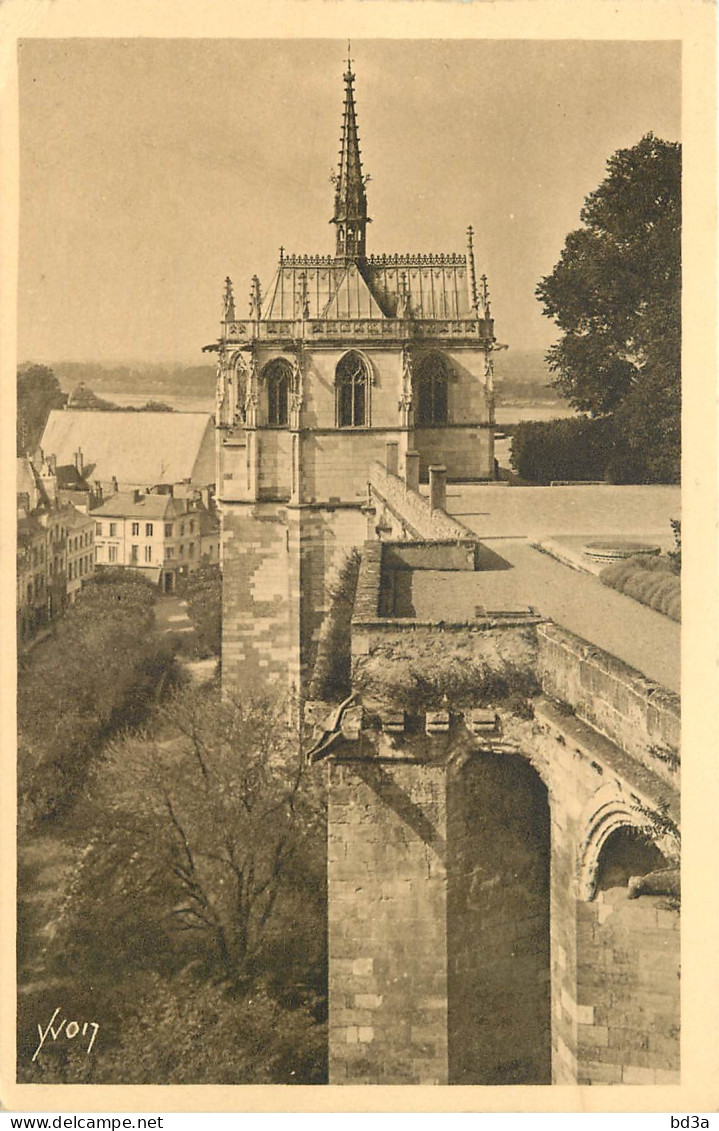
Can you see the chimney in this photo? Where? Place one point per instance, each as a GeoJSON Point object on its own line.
{"type": "Point", "coordinates": [437, 488]}
{"type": "Point", "coordinates": [411, 470]}
{"type": "Point", "coordinates": [392, 457]}
{"type": "Point", "coordinates": [114, 485]}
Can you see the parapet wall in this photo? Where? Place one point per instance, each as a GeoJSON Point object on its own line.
{"type": "Point", "coordinates": [640, 716]}
{"type": "Point", "coordinates": [413, 510]}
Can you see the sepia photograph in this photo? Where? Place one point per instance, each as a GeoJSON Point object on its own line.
{"type": "Point", "coordinates": [349, 561]}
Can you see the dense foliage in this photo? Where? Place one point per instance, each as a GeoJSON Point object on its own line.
{"type": "Point", "coordinates": [195, 904]}
{"type": "Point", "coordinates": [615, 294]}
{"type": "Point", "coordinates": [38, 391]}
{"type": "Point", "coordinates": [331, 674]}
{"type": "Point", "coordinates": [652, 581]}
{"type": "Point", "coordinates": [578, 448]}
{"type": "Point", "coordinates": [203, 592]}
{"type": "Point", "coordinates": [95, 675]}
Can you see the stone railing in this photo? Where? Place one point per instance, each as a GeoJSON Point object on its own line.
{"type": "Point", "coordinates": [414, 509]}
{"type": "Point", "coordinates": [384, 329]}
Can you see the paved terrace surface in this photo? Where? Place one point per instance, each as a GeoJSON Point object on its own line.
{"type": "Point", "coordinates": [503, 517]}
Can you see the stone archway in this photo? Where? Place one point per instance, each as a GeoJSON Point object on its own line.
{"type": "Point", "coordinates": [498, 969]}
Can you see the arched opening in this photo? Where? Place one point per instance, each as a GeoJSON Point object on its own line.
{"type": "Point", "coordinates": [626, 852]}
{"type": "Point", "coordinates": [498, 972]}
{"type": "Point", "coordinates": [627, 965]}
{"type": "Point", "coordinates": [351, 382]}
{"type": "Point", "coordinates": [430, 391]}
{"type": "Point", "coordinates": [277, 375]}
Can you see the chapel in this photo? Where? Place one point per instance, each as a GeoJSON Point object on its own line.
{"type": "Point", "coordinates": [344, 354]}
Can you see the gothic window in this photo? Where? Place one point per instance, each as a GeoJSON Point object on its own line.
{"type": "Point", "coordinates": [351, 380]}
{"type": "Point", "coordinates": [277, 375]}
{"type": "Point", "coordinates": [431, 391]}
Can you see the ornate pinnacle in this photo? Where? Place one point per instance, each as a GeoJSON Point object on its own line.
{"type": "Point", "coordinates": [485, 298]}
{"type": "Point", "coordinates": [255, 299]}
{"type": "Point", "coordinates": [472, 272]}
{"type": "Point", "coordinates": [304, 296]}
{"type": "Point", "coordinates": [228, 302]}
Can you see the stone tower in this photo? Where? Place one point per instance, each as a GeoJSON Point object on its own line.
{"type": "Point", "coordinates": [340, 356]}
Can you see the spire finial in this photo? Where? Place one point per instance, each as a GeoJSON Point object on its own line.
{"type": "Point", "coordinates": [350, 214]}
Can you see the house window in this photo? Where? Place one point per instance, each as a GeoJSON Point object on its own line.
{"type": "Point", "coordinates": [148, 530]}
{"type": "Point", "coordinates": [430, 390]}
{"type": "Point", "coordinates": [191, 549]}
{"type": "Point", "coordinates": [98, 528]}
{"type": "Point", "coordinates": [182, 528]}
{"type": "Point", "coordinates": [135, 528]}
{"type": "Point", "coordinates": [169, 553]}
{"type": "Point", "coordinates": [168, 530]}
{"type": "Point", "coordinates": [277, 375]}
{"type": "Point", "coordinates": [134, 554]}
{"type": "Point", "coordinates": [113, 529]}
{"type": "Point", "coordinates": [182, 551]}
{"type": "Point", "coordinates": [148, 553]}
{"type": "Point", "coordinates": [351, 380]}
{"type": "Point", "coordinates": [192, 526]}
{"type": "Point", "coordinates": [112, 553]}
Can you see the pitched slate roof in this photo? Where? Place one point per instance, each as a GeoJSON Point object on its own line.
{"type": "Point", "coordinates": [436, 286]}
{"type": "Point", "coordinates": [126, 505]}
{"type": "Point", "coordinates": [143, 448]}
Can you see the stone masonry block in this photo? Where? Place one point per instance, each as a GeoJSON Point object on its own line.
{"type": "Point", "coordinates": [593, 1035]}
{"type": "Point", "coordinates": [634, 1075]}
{"type": "Point", "coordinates": [597, 1073]}
{"type": "Point", "coordinates": [368, 1001]}
{"type": "Point", "coordinates": [362, 966]}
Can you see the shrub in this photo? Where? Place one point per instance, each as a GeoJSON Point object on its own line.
{"type": "Point", "coordinates": [577, 448]}
{"type": "Point", "coordinates": [468, 684]}
{"type": "Point", "coordinates": [181, 1029]}
{"type": "Point", "coordinates": [649, 580]}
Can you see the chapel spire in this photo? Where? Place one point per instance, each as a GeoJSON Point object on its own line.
{"type": "Point", "coordinates": [350, 215]}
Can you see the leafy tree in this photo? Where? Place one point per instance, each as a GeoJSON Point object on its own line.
{"type": "Point", "coordinates": [616, 296]}
{"type": "Point", "coordinates": [98, 673]}
{"type": "Point", "coordinates": [195, 907]}
{"type": "Point", "coordinates": [155, 406]}
{"type": "Point", "coordinates": [203, 592]}
{"type": "Point", "coordinates": [38, 391]}
{"type": "Point", "coordinates": [207, 845]}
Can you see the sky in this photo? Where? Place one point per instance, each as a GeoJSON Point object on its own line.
{"type": "Point", "coordinates": [152, 168]}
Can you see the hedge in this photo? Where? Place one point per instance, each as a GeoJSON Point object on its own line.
{"type": "Point", "coordinates": [578, 448]}
{"type": "Point", "coordinates": [649, 580]}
